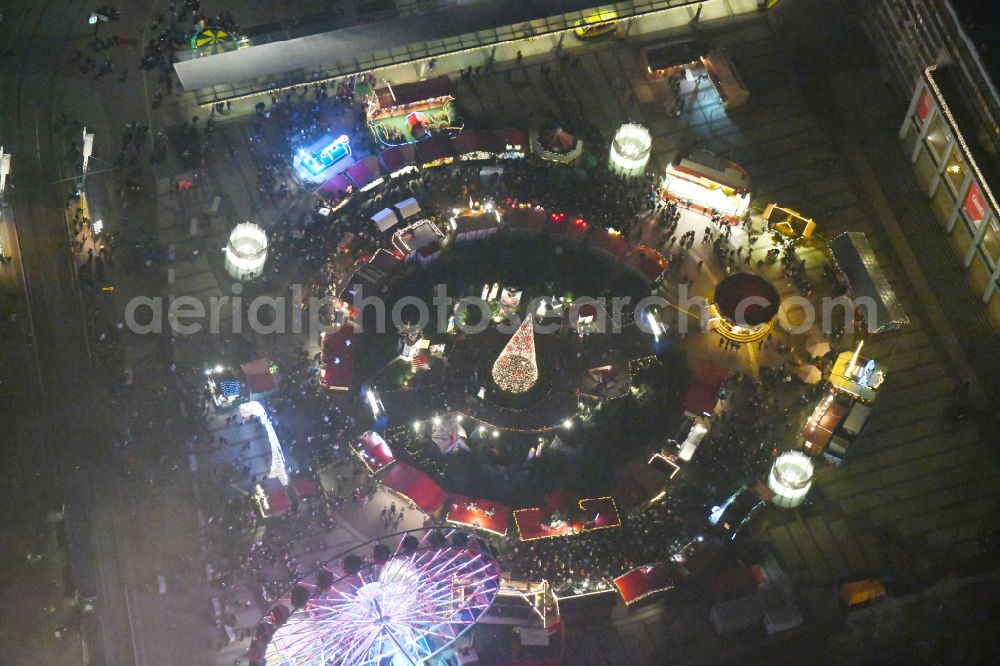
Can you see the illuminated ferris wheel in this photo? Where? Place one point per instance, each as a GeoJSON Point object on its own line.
{"type": "Point", "coordinates": [375, 606]}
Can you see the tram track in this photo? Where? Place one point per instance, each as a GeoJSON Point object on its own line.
{"type": "Point", "coordinates": [68, 416]}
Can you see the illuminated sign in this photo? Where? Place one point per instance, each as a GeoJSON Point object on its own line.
{"type": "Point", "coordinates": [318, 161]}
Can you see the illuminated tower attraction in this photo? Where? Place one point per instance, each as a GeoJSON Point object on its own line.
{"type": "Point", "coordinates": [516, 369]}
{"type": "Point", "coordinates": [379, 606]}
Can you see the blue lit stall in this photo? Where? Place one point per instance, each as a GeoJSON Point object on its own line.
{"type": "Point", "coordinates": [323, 159]}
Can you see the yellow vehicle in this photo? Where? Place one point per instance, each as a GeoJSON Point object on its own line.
{"type": "Point", "coordinates": [596, 25]}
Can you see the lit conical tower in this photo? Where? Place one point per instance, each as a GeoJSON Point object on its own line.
{"type": "Point", "coordinates": [516, 369]}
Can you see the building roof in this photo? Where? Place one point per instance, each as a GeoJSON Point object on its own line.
{"type": "Point", "coordinates": [557, 140]}
{"type": "Point", "coordinates": [330, 46]}
{"type": "Point", "coordinates": [981, 21]}
{"type": "Point", "coordinates": [416, 486]}
{"type": "Point", "coordinates": [857, 261]}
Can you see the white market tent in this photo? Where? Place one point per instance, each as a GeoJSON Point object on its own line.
{"type": "Point", "coordinates": [407, 208]}
{"type": "Point", "coordinates": [385, 219]}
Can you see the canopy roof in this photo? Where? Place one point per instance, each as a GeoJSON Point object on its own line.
{"type": "Point", "coordinates": [479, 513]}
{"type": "Point", "coordinates": [397, 157]}
{"type": "Point", "coordinates": [407, 208]}
{"type": "Point", "coordinates": [557, 140]}
{"type": "Point", "coordinates": [336, 185]}
{"type": "Point", "coordinates": [385, 219]}
{"type": "Point", "coordinates": [855, 258]}
{"type": "Point", "coordinates": [644, 581]}
{"type": "Point", "coordinates": [747, 299]}
{"type": "Point", "coordinates": [364, 171]}
{"type": "Point", "coordinates": [416, 486]}
{"type": "Point", "coordinates": [703, 392]}
{"type": "Point", "coordinates": [259, 376]}
{"type": "Point", "coordinates": [374, 451]}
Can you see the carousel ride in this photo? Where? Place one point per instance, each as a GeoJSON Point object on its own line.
{"type": "Point", "coordinates": [745, 306]}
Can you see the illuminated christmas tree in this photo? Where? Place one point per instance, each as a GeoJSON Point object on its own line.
{"type": "Point", "coordinates": [516, 369]}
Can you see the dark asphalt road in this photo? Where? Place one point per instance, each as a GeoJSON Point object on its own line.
{"type": "Point", "coordinates": [60, 412]}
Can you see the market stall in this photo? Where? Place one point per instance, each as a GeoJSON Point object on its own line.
{"type": "Point", "coordinates": [412, 111]}
{"type": "Point", "coordinates": [223, 385]}
{"type": "Point", "coordinates": [366, 173]}
{"type": "Point", "coordinates": [824, 421]}
{"type": "Point", "coordinates": [725, 79]}
{"type": "Point", "coordinates": [407, 208]}
{"type": "Point", "coordinates": [512, 142]}
{"type": "Point", "coordinates": [703, 391]}
{"type": "Point", "coordinates": [670, 59]}
{"type": "Point", "coordinates": [707, 184]}
{"type": "Point", "coordinates": [260, 378]}
{"type": "Point", "coordinates": [643, 582]}
{"type": "Point", "coordinates": [857, 376]}
{"type": "Point", "coordinates": [557, 145]}
{"type": "Point", "coordinates": [416, 236]}
{"type": "Point", "coordinates": [435, 151]}
{"type": "Point", "coordinates": [337, 358]}
{"type": "Point", "coordinates": [271, 498]}
{"type": "Point", "coordinates": [416, 487]}
{"type": "Point", "coordinates": [476, 144]}
{"type": "Point", "coordinates": [556, 520]}
{"type": "Point", "coordinates": [399, 160]}
{"type": "Point", "coordinates": [373, 451]}
{"type": "Point", "coordinates": [788, 222]}
{"type": "Point", "coordinates": [385, 220]}
{"type": "Point", "coordinates": [855, 259]}
{"type": "Point", "coordinates": [323, 158]}
{"type": "Point", "coordinates": [479, 513]}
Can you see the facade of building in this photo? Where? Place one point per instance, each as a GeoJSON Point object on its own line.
{"type": "Point", "coordinates": [951, 131]}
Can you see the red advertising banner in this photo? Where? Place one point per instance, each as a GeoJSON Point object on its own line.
{"type": "Point", "coordinates": [924, 105]}
{"type": "Point", "coordinates": [975, 204]}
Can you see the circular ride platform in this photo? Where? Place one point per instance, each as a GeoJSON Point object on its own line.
{"type": "Point", "coordinates": [746, 306]}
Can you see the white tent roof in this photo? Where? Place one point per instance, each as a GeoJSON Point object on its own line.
{"type": "Point", "coordinates": [385, 219]}
{"type": "Point", "coordinates": [408, 207]}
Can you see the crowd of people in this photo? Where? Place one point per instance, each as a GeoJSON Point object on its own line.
{"type": "Point", "coordinates": [294, 544]}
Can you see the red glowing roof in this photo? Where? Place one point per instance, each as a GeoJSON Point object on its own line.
{"type": "Point", "coordinates": [374, 451]}
{"type": "Point", "coordinates": [594, 514]}
{"type": "Point", "coordinates": [276, 500]}
{"type": "Point", "coordinates": [511, 136]}
{"type": "Point", "coordinates": [648, 261]}
{"type": "Point", "coordinates": [416, 486]}
{"type": "Point", "coordinates": [479, 513]}
{"type": "Point", "coordinates": [259, 376]}
{"type": "Point", "coordinates": [337, 358]}
{"type": "Point", "coordinates": [644, 581]}
{"type": "Point", "coordinates": [612, 243]}
{"type": "Point", "coordinates": [703, 392]}
{"type": "Point", "coordinates": [305, 487]}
